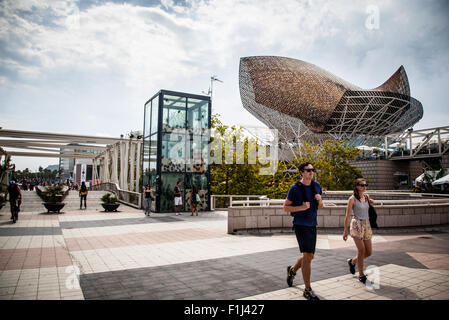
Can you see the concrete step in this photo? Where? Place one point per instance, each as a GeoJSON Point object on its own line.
{"type": "Point", "coordinates": [31, 202]}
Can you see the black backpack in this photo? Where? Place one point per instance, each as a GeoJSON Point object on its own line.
{"type": "Point", "coordinates": [303, 191]}
{"type": "Point", "coordinates": [13, 191]}
{"type": "Point", "coordinates": [372, 215]}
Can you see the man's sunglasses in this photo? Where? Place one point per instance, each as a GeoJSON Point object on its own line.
{"type": "Point", "coordinates": [310, 170]}
{"type": "Point", "coordinates": [362, 185]}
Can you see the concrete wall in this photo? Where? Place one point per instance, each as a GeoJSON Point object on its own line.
{"type": "Point", "coordinates": [275, 219]}
{"type": "Point", "coordinates": [445, 161]}
{"type": "Point", "coordinates": [380, 173]}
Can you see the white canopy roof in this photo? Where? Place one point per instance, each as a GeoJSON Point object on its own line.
{"type": "Point", "coordinates": [364, 148]}
{"type": "Point", "coordinates": [431, 173]}
{"type": "Point", "coordinates": [440, 181]}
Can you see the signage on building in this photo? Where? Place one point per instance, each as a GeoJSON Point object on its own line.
{"type": "Point", "coordinates": [83, 172]}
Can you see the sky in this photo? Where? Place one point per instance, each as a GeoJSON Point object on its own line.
{"type": "Point", "coordinates": [88, 67]}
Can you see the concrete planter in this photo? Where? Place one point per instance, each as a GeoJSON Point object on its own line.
{"type": "Point", "coordinates": [109, 207]}
{"type": "Point", "coordinates": [53, 206]}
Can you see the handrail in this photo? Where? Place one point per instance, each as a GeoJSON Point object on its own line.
{"type": "Point", "coordinates": [390, 192]}
{"type": "Point", "coordinates": [131, 198]}
{"type": "Point", "coordinates": [231, 196]}
{"type": "Point", "coordinates": [260, 200]}
{"type": "Point", "coordinates": [339, 203]}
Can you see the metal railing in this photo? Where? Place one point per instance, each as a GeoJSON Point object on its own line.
{"type": "Point", "coordinates": [228, 199]}
{"type": "Point", "coordinates": [338, 203]}
{"type": "Point", "coordinates": [133, 199]}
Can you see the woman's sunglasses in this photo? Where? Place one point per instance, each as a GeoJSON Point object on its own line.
{"type": "Point", "coordinates": [310, 170]}
{"type": "Point", "coordinates": [362, 185]}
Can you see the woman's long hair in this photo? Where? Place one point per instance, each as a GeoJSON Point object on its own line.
{"type": "Point", "coordinates": [83, 187]}
{"type": "Point", "coordinates": [195, 189]}
{"type": "Point", "coordinates": [356, 191]}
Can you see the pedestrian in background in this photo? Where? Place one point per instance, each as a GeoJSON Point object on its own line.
{"type": "Point", "coordinates": [83, 195]}
{"type": "Point", "coordinates": [177, 197]}
{"type": "Point", "coordinates": [194, 200]}
{"type": "Point", "coordinates": [148, 198]}
{"type": "Point", "coordinates": [15, 199]}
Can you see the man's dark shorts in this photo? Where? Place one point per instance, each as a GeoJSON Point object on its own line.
{"type": "Point", "coordinates": [306, 237]}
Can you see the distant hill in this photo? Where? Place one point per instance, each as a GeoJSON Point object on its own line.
{"type": "Point", "coordinates": [53, 167]}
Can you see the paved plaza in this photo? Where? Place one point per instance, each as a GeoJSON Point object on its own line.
{"type": "Point", "coordinates": [126, 255]}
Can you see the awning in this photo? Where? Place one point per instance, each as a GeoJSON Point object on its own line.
{"type": "Point", "coordinates": [443, 180]}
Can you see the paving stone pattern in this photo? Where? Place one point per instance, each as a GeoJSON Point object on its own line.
{"type": "Point", "coordinates": [90, 254]}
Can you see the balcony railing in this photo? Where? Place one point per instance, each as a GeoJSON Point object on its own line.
{"type": "Point", "coordinates": [133, 199]}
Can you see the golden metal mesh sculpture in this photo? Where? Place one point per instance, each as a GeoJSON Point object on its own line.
{"type": "Point", "coordinates": [305, 102]}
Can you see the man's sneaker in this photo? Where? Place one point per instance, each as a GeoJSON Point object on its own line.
{"type": "Point", "coordinates": [310, 295]}
{"type": "Point", "coordinates": [351, 266]}
{"type": "Point", "coordinates": [177, 214]}
{"type": "Point", "coordinates": [290, 276]}
{"type": "Point", "coordinates": [362, 279]}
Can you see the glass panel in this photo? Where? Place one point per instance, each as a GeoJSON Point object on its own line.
{"type": "Point", "coordinates": [146, 161]}
{"type": "Point", "coordinates": [153, 167]}
{"type": "Point", "coordinates": [196, 162]}
{"type": "Point", "coordinates": [200, 181]}
{"type": "Point", "coordinates": [205, 148]}
{"type": "Point", "coordinates": [153, 156]}
{"type": "Point", "coordinates": [197, 114]}
{"type": "Point", "coordinates": [204, 115]}
{"type": "Point", "coordinates": [155, 113]}
{"type": "Point", "coordinates": [168, 181]}
{"type": "Point", "coordinates": [193, 113]}
{"type": "Point", "coordinates": [174, 113]}
{"type": "Point", "coordinates": [173, 152]}
{"type": "Point", "coordinates": [147, 120]}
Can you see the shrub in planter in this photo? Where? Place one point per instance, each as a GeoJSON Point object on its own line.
{"type": "Point", "coordinates": [109, 202]}
{"type": "Point", "coordinates": [53, 197]}
{"type": "Point", "coordinates": [53, 194]}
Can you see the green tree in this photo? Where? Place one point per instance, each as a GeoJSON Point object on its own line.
{"type": "Point", "coordinates": [234, 175]}
{"type": "Point", "coordinates": [332, 161]}
{"type": "Point", "coordinates": [5, 168]}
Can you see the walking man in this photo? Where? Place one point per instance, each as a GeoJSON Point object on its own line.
{"type": "Point", "coordinates": [15, 199]}
{"type": "Point", "coordinates": [178, 198]}
{"type": "Point", "coordinates": [303, 201]}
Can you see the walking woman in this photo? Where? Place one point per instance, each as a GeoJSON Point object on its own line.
{"type": "Point", "coordinates": [360, 230]}
{"type": "Point", "coordinates": [194, 200]}
{"type": "Point", "coordinates": [83, 195]}
{"type": "Point", "coordinates": [148, 198]}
